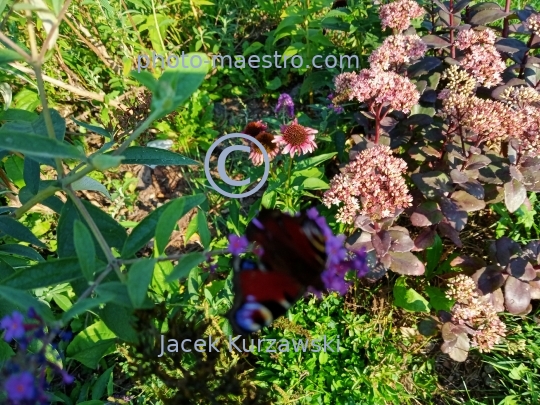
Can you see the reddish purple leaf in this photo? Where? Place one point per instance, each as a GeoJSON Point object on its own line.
{"type": "Point", "coordinates": [467, 202]}
{"type": "Point", "coordinates": [514, 195]}
{"type": "Point", "coordinates": [406, 263]}
{"type": "Point", "coordinates": [425, 239]}
{"type": "Point", "coordinates": [517, 295]}
{"type": "Point", "coordinates": [489, 279]}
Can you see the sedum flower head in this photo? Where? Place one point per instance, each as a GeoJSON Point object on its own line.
{"type": "Point", "coordinates": [481, 60]}
{"type": "Point", "coordinates": [533, 23]}
{"type": "Point", "coordinates": [398, 15]}
{"type": "Point", "coordinates": [397, 50]}
{"type": "Point", "coordinates": [377, 88]}
{"type": "Point", "coordinates": [474, 311]}
{"type": "Point", "coordinates": [370, 185]}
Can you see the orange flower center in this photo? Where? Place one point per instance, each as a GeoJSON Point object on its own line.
{"type": "Point", "coordinates": [295, 135]}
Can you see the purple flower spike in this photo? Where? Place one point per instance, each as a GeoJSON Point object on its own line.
{"type": "Point", "coordinates": [14, 326]}
{"type": "Point", "coordinates": [237, 244]}
{"type": "Point", "coordinates": [286, 104]}
{"type": "Point", "coordinates": [20, 387]}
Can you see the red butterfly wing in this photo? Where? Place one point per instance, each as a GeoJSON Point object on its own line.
{"type": "Point", "coordinates": [260, 296]}
{"type": "Point", "coordinates": [292, 245]}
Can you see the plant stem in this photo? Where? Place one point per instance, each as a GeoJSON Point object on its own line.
{"type": "Point", "coordinates": [506, 25]}
{"type": "Point", "coordinates": [95, 230]}
{"type": "Point", "coordinates": [39, 197]}
{"type": "Point", "coordinates": [451, 17]}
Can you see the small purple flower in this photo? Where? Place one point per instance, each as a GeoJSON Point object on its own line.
{"type": "Point", "coordinates": [237, 244]}
{"type": "Point", "coordinates": [286, 104]}
{"type": "Point", "coordinates": [336, 108]}
{"type": "Point", "coordinates": [334, 280]}
{"type": "Point", "coordinates": [20, 387]}
{"type": "Point", "coordinates": [67, 378]}
{"type": "Point", "coordinates": [335, 249]}
{"type": "Point", "coordinates": [14, 326]}
{"type": "Point", "coordinates": [359, 263]}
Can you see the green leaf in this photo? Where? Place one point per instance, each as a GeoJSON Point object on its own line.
{"type": "Point", "coordinates": [145, 78]}
{"type": "Point", "coordinates": [44, 274]}
{"type": "Point", "coordinates": [314, 161]}
{"type": "Point", "coordinates": [438, 300]}
{"type": "Point", "coordinates": [80, 307]}
{"type": "Point", "coordinates": [90, 345]}
{"type": "Point", "coordinates": [93, 128]}
{"type": "Point", "coordinates": [434, 254]}
{"type": "Point", "coordinates": [105, 162]}
{"type": "Point", "coordinates": [62, 301]}
{"type": "Point", "coordinates": [85, 248]}
{"type": "Point", "coordinates": [176, 85]}
{"type": "Point", "coordinates": [14, 168]}
{"type": "Point", "coordinates": [185, 264]}
{"type": "Point", "coordinates": [191, 229]}
{"type": "Point", "coordinates": [21, 250]}
{"type": "Point", "coordinates": [15, 229]}
{"type": "Point", "coordinates": [409, 299]}
{"type": "Point", "coordinates": [38, 146]}
{"type": "Point", "coordinates": [313, 183]}
{"type": "Point", "coordinates": [115, 235]}
{"type": "Point", "coordinates": [202, 229]}
{"type": "Point", "coordinates": [98, 390]}
{"type": "Point", "coordinates": [167, 222]}
{"type": "Point", "coordinates": [7, 56]}
{"type": "Point", "coordinates": [24, 301]}
{"type": "Point", "coordinates": [139, 278]}
{"type": "Point", "coordinates": [88, 183]}
{"type": "Point", "coordinates": [145, 155]}
{"type": "Point", "coordinates": [118, 319]}
{"type": "Point", "coordinates": [146, 229]}
{"type": "Point", "coordinates": [5, 352]}
{"type": "Point", "coordinates": [31, 175]}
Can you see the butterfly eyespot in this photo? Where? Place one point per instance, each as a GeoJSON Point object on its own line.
{"type": "Point", "coordinates": [253, 316]}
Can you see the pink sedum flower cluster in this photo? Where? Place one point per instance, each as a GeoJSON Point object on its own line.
{"type": "Point", "coordinates": [533, 23]}
{"type": "Point", "coordinates": [474, 311]}
{"type": "Point", "coordinates": [370, 185]}
{"type": "Point", "coordinates": [377, 89]}
{"type": "Point", "coordinates": [398, 15]}
{"type": "Point", "coordinates": [481, 60]}
{"type": "Point", "coordinates": [396, 51]}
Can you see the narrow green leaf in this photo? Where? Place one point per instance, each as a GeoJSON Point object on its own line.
{"type": "Point", "coordinates": [88, 183]}
{"type": "Point", "coordinates": [25, 301]}
{"type": "Point", "coordinates": [146, 229]}
{"type": "Point", "coordinates": [191, 229]}
{"type": "Point", "coordinates": [139, 278]}
{"type": "Point", "coordinates": [186, 263]}
{"type": "Point", "coordinates": [38, 146]}
{"type": "Point", "coordinates": [145, 155]}
{"type": "Point", "coordinates": [167, 222]}
{"type": "Point", "coordinates": [98, 390]}
{"type": "Point", "coordinates": [202, 229]}
{"type": "Point", "coordinates": [18, 231]}
{"type": "Point", "coordinates": [44, 274]}
{"type": "Point", "coordinates": [7, 56]}
{"type": "Point", "coordinates": [31, 175]}
{"type": "Point", "coordinates": [85, 248]}
{"type": "Point", "coordinates": [80, 307]}
{"type": "Point", "coordinates": [21, 250]}
{"type": "Point", "coordinates": [93, 128]}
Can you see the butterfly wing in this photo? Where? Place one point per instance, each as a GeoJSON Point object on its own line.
{"type": "Point", "coordinates": [260, 296]}
{"type": "Point", "coordinates": [291, 245]}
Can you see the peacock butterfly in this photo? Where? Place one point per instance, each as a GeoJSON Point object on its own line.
{"type": "Point", "coordinates": [293, 259]}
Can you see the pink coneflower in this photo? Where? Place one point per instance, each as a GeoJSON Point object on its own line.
{"type": "Point", "coordinates": [297, 138]}
{"type": "Point", "coordinates": [267, 140]}
{"type": "Point", "coordinates": [254, 128]}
